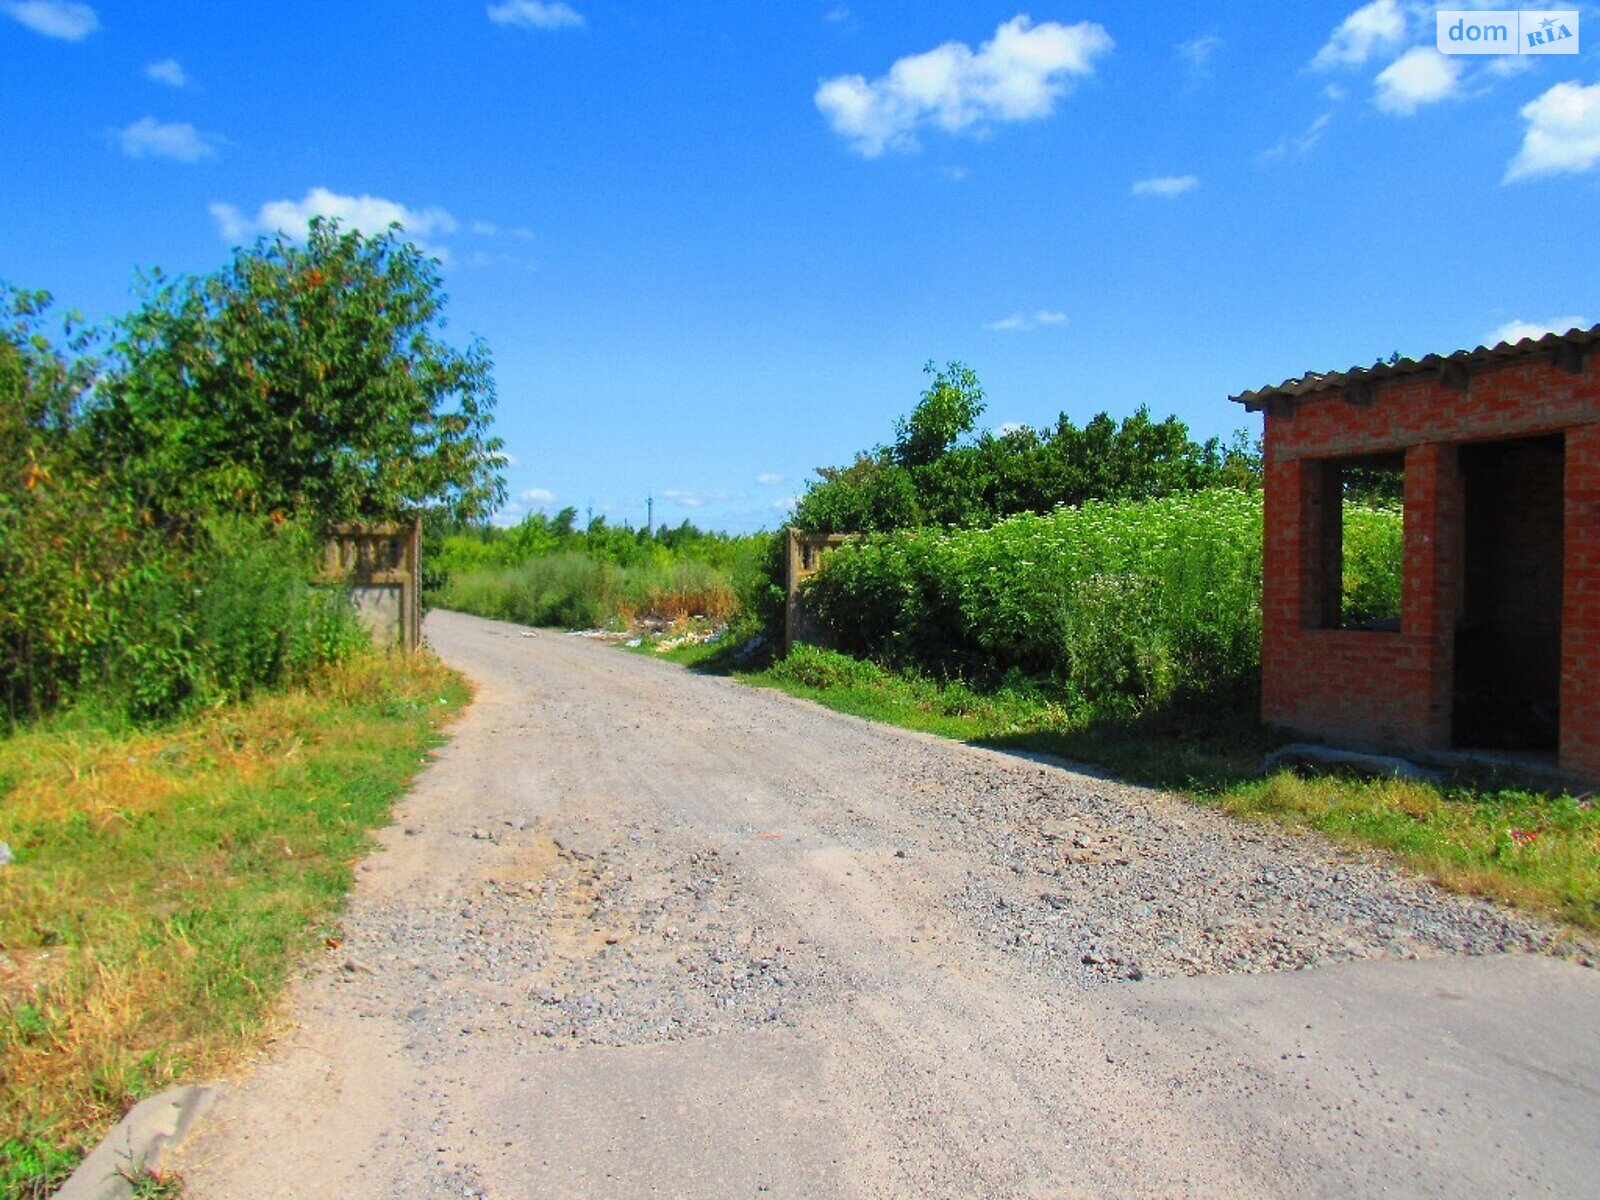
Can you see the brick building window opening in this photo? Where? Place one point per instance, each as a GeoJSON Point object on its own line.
{"type": "Point", "coordinates": [1361, 509]}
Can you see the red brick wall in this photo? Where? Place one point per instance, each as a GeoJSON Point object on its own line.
{"type": "Point", "coordinates": [1394, 689]}
{"type": "Point", "coordinates": [1382, 690]}
{"type": "Point", "coordinates": [1518, 399]}
{"type": "Point", "coordinates": [1580, 610]}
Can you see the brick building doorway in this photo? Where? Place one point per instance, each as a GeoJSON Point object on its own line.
{"type": "Point", "coordinates": [1508, 636]}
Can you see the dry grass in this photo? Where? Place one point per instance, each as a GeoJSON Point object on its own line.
{"type": "Point", "coordinates": [166, 881]}
{"type": "Point", "coordinates": [717, 603]}
{"type": "Point", "coordinates": [1535, 851]}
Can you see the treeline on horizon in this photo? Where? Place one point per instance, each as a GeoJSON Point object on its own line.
{"type": "Point", "coordinates": [941, 470]}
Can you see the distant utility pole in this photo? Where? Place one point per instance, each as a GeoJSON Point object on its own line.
{"type": "Point", "coordinates": [649, 515]}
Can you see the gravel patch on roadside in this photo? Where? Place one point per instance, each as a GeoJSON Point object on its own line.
{"type": "Point", "coordinates": [1098, 882]}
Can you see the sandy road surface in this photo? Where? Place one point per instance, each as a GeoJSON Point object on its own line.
{"type": "Point", "coordinates": [645, 933]}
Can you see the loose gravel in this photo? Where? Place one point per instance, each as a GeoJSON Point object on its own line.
{"type": "Point", "coordinates": [640, 933]}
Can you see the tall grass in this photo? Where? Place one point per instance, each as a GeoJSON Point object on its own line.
{"type": "Point", "coordinates": [1124, 606]}
{"type": "Point", "coordinates": [572, 590]}
{"type": "Point", "coordinates": [148, 625]}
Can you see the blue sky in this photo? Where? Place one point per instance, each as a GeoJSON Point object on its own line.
{"type": "Point", "coordinates": [711, 245]}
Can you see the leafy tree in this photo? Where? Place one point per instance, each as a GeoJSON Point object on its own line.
{"type": "Point", "coordinates": [948, 411]}
{"type": "Point", "coordinates": [564, 522]}
{"type": "Point", "coordinates": [935, 473]}
{"type": "Point", "coordinates": [306, 380]}
{"type": "Point", "coordinates": [63, 546]}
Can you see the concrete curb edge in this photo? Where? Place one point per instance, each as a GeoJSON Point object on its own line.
{"type": "Point", "coordinates": [137, 1144]}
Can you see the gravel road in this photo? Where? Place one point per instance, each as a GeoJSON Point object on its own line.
{"type": "Point", "coordinates": [639, 932]}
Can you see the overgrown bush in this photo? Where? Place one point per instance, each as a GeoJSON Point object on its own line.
{"type": "Point", "coordinates": [1373, 546]}
{"type": "Point", "coordinates": [159, 495]}
{"type": "Point", "coordinates": [100, 603]}
{"type": "Point", "coordinates": [574, 591]}
{"type": "Point", "coordinates": [1123, 606]}
{"type": "Point", "coordinates": [148, 625]}
{"type": "Point", "coordinates": [231, 614]}
{"type": "Point", "coordinates": [545, 571]}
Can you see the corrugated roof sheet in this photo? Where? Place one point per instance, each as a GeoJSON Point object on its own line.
{"type": "Point", "coordinates": [1313, 382]}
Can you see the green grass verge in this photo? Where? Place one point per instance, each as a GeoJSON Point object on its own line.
{"type": "Point", "coordinates": [1538, 851]}
{"type": "Point", "coordinates": [168, 881]}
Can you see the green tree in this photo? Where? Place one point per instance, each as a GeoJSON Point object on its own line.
{"type": "Point", "coordinates": [948, 411]}
{"type": "Point", "coordinates": [63, 545]}
{"type": "Point", "coordinates": [302, 379]}
{"type": "Point", "coordinates": [936, 473]}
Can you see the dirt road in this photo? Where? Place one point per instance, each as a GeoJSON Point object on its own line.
{"type": "Point", "coordinates": [644, 933]}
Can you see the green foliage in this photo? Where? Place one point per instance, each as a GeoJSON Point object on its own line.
{"type": "Point", "coordinates": [947, 412]}
{"type": "Point", "coordinates": [564, 589]}
{"type": "Point", "coordinates": [232, 616]}
{"type": "Point", "coordinates": [156, 1186]}
{"type": "Point", "coordinates": [101, 603]}
{"type": "Point", "coordinates": [936, 473]}
{"type": "Point", "coordinates": [814, 667]}
{"type": "Point", "coordinates": [1125, 606]}
{"type": "Point", "coordinates": [545, 571]}
{"type": "Point", "coordinates": [304, 380]}
{"type": "Point", "coordinates": [1374, 544]}
{"type": "Point", "coordinates": [34, 1168]}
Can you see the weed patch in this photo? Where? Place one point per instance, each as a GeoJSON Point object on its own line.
{"type": "Point", "coordinates": [168, 879]}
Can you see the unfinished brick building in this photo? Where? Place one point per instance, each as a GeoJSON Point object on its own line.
{"type": "Point", "coordinates": [1496, 643]}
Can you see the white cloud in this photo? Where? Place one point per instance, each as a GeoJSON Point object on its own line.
{"type": "Point", "coordinates": [767, 479]}
{"type": "Point", "coordinates": [1333, 93]}
{"type": "Point", "coordinates": [530, 14]}
{"type": "Point", "coordinates": [1016, 76]}
{"type": "Point", "coordinates": [1166, 186]}
{"type": "Point", "coordinates": [1509, 66]}
{"type": "Point", "coordinates": [837, 15]}
{"type": "Point", "coordinates": [1563, 134]}
{"type": "Point", "coordinates": [1007, 428]}
{"type": "Point", "coordinates": [367, 214]}
{"type": "Point", "coordinates": [787, 505]}
{"type": "Point", "coordinates": [168, 71]}
{"type": "Point", "coordinates": [177, 140]}
{"type": "Point", "coordinates": [687, 499]}
{"type": "Point", "coordinates": [1300, 145]}
{"type": "Point", "coordinates": [1197, 55]}
{"type": "Point", "coordinates": [55, 18]}
{"type": "Point", "coordinates": [1364, 34]}
{"type": "Point", "coordinates": [537, 496]}
{"type": "Point", "coordinates": [486, 229]}
{"type": "Point", "coordinates": [1419, 76]}
{"type": "Point", "coordinates": [1027, 322]}
{"type": "Point", "coordinates": [1515, 331]}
